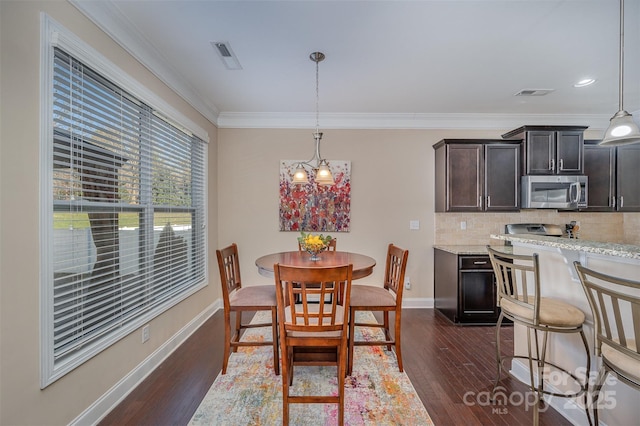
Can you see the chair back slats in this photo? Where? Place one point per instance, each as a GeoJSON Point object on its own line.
{"type": "Point", "coordinates": [395, 269]}
{"type": "Point", "coordinates": [311, 286]}
{"type": "Point", "coordinates": [229, 266]}
{"type": "Point", "coordinates": [615, 304]}
{"type": "Point", "coordinates": [518, 279]}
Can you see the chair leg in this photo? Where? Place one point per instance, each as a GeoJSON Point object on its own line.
{"type": "Point", "coordinates": [227, 341]}
{"type": "Point", "coordinates": [351, 338]}
{"type": "Point", "coordinates": [498, 356]}
{"type": "Point", "coordinates": [236, 337]}
{"type": "Point", "coordinates": [274, 333]}
{"type": "Point", "coordinates": [398, 340]}
{"type": "Point", "coordinates": [285, 385]}
{"type": "Point", "coordinates": [536, 406]}
{"type": "Point", "coordinates": [541, 360]}
{"type": "Point", "coordinates": [602, 374]}
{"type": "Point", "coordinates": [385, 316]}
{"type": "Point", "coordinates": [341, 375]}
{"type": "Point", "coordinates": [586, 379]}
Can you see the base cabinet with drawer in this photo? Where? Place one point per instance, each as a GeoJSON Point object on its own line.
{"type": "Point", "coordinates": [464, 287]}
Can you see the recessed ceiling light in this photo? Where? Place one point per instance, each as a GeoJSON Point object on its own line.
{"type": "Point", "coordinates": [585, 82]}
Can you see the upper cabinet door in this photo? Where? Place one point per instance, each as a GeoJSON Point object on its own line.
{"type": "Point", "coordinates": [599, 166]}
{"type": "Point", "coordinates": [541, 152]}
{"type": "Point", "coordinates": [628, 178]}
{"type": "Point", "coordinates": [464, 177]}
{"type": "Point", "coordinates": [502, 177]}
{"type": "Point", "coordinates": [569, 150]}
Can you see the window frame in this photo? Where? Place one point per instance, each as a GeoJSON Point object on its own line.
{"type": "Point", "coordinates": [54, 35]}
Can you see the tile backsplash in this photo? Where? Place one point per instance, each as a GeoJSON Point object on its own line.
{"type": "Point", "coordinates": [621, 228]}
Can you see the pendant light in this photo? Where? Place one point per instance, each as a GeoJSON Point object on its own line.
{"type": "Point", "coordinates": [622, 129]}
{"type": "Point", "coordinates": [317, 164]}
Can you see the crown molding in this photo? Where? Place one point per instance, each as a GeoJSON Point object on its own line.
{"type": "Point", "coordinates": [405, 121]}
{"type": "Point", "coordinates": [106, 15]}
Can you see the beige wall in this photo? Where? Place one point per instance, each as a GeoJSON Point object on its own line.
{"type": "Point", "coordinates": [392, 183]}
{"type": "Point", "coordinates": [21, 400]}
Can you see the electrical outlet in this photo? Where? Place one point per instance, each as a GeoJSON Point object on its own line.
{"type": "Point", "coordinates": [463, 225]}
{"type": "Point", "coordinates": [145, 333]}
{"type": "Point", "coordinates": [407, 283]}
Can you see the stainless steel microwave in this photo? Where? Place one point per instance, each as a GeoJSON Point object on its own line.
{"type": "Point", "coordinates": [565, 192]}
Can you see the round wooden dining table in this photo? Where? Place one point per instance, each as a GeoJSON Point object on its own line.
{"type": "Point", "coordinates": [362, 265]}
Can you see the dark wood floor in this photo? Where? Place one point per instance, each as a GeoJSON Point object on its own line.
{"type": "Point", "coordinates": [444, 362]}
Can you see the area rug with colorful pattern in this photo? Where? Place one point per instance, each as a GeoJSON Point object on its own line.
{"type": "Point", "coordinates": [251, 394]}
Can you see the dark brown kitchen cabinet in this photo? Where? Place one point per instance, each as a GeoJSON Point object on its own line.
{"type": "Point", "coordinates": [628, 178]}
{"type": "Point", "coordinates": [550, 150]}
{"type": "Point", "coordinates": [613, 175]}
{"type": "Point", "coordinates": [600, 168]}
{"type": "Point", "coordinates": [477, 175]}
{"type": "Point", "coordinates": [464, 287]}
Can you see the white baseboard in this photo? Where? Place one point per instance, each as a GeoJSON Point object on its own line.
{"type": "Point", "coordinates": [103, 405]}
{"type": "Point", "coordinates": [567, 407]}
{"type": "Point", "coordinates": [417, 303]}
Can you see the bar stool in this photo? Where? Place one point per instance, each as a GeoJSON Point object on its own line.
{"type": "Point", "coordinates": [518, 281]}
{"type": "Point", "coordinates": [615, 304]}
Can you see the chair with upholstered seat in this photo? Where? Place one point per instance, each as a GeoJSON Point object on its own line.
{"type": "Point", "coordinates": [518, 281]}
{"type": "Point", "coordinates": [313, 333]}
{"type": "Point", "coordinates": [239, 299]}
{"type": "Point", "coordinates": [386, 298]}
{"type": "Point", "coordinates": [615, 304]}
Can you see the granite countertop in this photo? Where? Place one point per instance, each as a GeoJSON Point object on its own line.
{"type": "Point", "coordinates": [469, 249]}
{"type": "Point", "coordinates": [610, 249]}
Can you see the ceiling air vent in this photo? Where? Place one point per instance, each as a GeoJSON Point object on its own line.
{"type": "Point", "coordinates": [534, 92]}
{"type": "Point", "coordinates": [226, 54]}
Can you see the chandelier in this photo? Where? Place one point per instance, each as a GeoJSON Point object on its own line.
{"type": "Point", "coordinates": [622, 129]}
{"type": "Point", "coordinates": [316, 165]}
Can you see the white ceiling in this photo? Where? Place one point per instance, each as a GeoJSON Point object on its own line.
{"type": "Point", "coordinates": [410, 64]}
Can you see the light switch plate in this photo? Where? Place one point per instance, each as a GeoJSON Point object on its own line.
{"type": "Point", "coordinates": [414, 224]}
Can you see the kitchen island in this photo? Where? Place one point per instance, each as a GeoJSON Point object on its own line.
{"type": "Point", "coordinates": [558, 279]}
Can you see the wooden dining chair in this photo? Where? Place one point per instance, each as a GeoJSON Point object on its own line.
{"type": "Point", "coordinates": [239, 299]}
{"type": "Point", "coordinates": [386, 298]}
{"type": "Point", "coordinates": [313, 333]}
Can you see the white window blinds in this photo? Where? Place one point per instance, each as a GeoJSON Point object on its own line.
{"type": "Point", "coordinates": [128, 212]}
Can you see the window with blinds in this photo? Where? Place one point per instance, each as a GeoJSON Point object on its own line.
{"type": "Point", "coordinates": [128, 212]}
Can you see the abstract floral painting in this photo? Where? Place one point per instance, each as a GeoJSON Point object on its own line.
{"type": "Point", "coordinates": [310, 207]}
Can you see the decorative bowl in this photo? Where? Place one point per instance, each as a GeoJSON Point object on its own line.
{"type": "Point", "coordinates": [314, 251]}
{"type": "Point", "coordinates": [313, 244]}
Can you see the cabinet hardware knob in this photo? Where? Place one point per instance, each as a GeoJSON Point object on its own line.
{"type": "Point", "coordinates": [480, 263]}
{"type": "Point", "coordinates": [621, 201]}
{"type": "Point", "coordinates": [561, 165]}
{"type": "Point", "coordinates": [552, 164]}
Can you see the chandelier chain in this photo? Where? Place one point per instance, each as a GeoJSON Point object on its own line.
{"type": "Point", "coordinates": [317, 95]}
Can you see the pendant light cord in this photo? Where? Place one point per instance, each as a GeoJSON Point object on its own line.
{"type": "Point", "coordinates": [317, 95]}
{"type": "Point", "coordinates": [620, 83]}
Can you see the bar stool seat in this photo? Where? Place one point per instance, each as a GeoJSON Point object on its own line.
{"type": "Point", "coordinates": [553, 312]}
{"type": "Point", "coordinates": [518, 282]}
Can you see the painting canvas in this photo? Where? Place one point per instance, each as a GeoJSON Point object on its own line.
{"type": "Point", "coordinates": [314, 208]}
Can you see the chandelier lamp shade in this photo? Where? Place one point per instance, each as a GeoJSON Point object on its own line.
{"type": "Point", "coordinates": [318, 165]}
{"type": "Point", "coordinates": [622, 129]}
